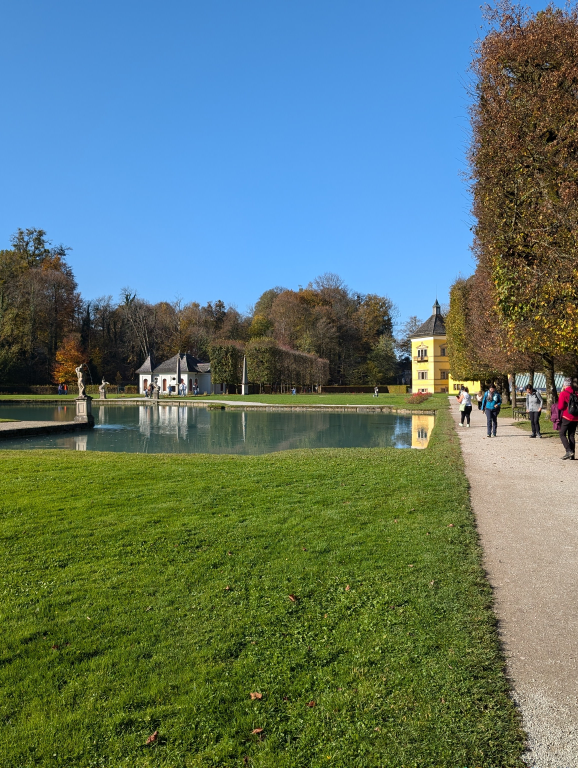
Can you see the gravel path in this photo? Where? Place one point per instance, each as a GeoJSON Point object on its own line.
{"type": "Point", "coordinates": [525, 500]}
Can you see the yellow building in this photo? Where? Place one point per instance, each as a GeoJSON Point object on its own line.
{"type": "Point", "coordinates": [430, 365]}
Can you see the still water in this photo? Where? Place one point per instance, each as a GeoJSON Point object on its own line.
{"type": "Point", "coordinates": [182, 429]}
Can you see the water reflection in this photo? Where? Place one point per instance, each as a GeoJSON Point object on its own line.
{"type": "Point", "coordinates": [421, 429]}
{"type": "Point", "coordinates": [81, 442]}
{"type": "Point", "coordinates": [173, 428]}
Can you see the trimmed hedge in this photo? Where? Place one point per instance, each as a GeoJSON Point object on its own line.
{"type": "Point", "coordinates": [351, 389]}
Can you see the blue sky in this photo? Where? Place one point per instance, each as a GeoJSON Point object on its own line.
{"type": "Point", "coordinates": [209, 150]}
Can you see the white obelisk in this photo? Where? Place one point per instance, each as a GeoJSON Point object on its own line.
{"type": "Point", "coordinates": [245, 382]}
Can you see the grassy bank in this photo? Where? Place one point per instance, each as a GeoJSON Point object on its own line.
{"type": "Point", "coordinates": [546, 428]}
{"type": "Point", "coordinates": [397, 401]}
{"type": "Point", "coordinates": [156, 593]}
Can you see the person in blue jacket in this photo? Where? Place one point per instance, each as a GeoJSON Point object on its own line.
{"type": "Point", "coordinates": [491, 404]}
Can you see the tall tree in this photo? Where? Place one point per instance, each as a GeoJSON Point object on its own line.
{"type": "Point", "coordinates": [524, 174]}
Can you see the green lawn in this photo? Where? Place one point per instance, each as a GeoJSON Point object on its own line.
{"type": "Point", "coordinates": [397, 401]}
{"type": "Point", "coordinates": [57, 397]}
{"type": "Point", "coordinates": [152, 593]}
{"type": "Point", "coordinates": [546, 428]}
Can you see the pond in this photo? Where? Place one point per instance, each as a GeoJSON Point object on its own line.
{"type": "Point", "coordinates": [182, 429]}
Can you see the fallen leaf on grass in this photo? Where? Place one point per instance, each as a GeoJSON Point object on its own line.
{"type": "Point", "coordinates": [152, 738]}
{"type": "Point", "coordinates": [347, 588]}
{"type": "Point", "coordinates": [411, 566]}
{"type": "Point", "coordinates": [257, 696]}
{"type": "Point", "coordinates": [431, 583]}
{"type": "Point", "coordinates": [451, 525]}
{"type": "Point", "coordinates": [55, 647]}
{"type": "Point", "coordinates": [257, 731]}
{"type": "Point", "coordinates": [227, 589]}
{"type": "Point", "coordinates": [149, 608]}
{"type": "Point", "coordinates": [293, 598]}
{"type": "Point", "coordinates": [229, 553]}
{"type": "Point", "coordinates": [311, 703]}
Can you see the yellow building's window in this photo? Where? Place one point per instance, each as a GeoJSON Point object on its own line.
{"type": "Point", "coordinates": [444, 374]}
{"type": "Point", "coordinates": [422, 353]}
{"type": "Point", "coordinates": [422, 374]}
{"type": "Point", "coordinates": [443, 351]}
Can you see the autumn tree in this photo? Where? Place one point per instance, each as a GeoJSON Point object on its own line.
{"type": "Point", "coordinates": [524, 175]}
{"type": "Point", "coordinates": [39, 305]}
{"type": "Point", "coordinates": [68, 357]}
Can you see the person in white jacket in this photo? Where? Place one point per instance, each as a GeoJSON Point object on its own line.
{"type": "Point", "coordinates": [465, 401]}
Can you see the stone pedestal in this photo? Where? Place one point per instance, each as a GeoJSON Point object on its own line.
{"type": "Point", "coordinates": [84, 410]}
{"type": "Point", "coordinates": [155, 394]}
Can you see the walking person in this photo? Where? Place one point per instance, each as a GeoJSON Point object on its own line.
{"type": "Point", "coordinates": [465, 401]}
{"type": "Point", "coordinates": [534, 404]}
{"type": "Point", "coordinates": [479, 398]}
{"type": "Point", "coordinates": [568, 408]}
{"type": "Point", "coordinates": [491, 404]}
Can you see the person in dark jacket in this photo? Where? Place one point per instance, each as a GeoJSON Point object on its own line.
{"type": "Point", "coordinates": [534, 406]}
{"type": "Point", "coordinates": [568, 422]}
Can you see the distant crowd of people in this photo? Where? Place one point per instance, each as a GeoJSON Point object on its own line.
{"type": "Point", "coordinates": [563, 413]}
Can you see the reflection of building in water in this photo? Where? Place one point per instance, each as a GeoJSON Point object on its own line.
{"type": "Point", "coordinates": [173, 420]}
{"type": "Point", "coordinates": [145, 419]}
{"type": "Point", "coordinates": [421, 429]}
{"type": "Point", "coordinates": [80, 442]}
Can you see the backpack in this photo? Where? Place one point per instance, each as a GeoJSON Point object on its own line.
{"type": "Point", "coordinates": [573, 404]}
{"type": "Point", "coordinates": [555, 416]}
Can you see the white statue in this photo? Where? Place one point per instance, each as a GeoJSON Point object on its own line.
{"type": "Point", "coordinates": [102, 388]}
{"type": "Point", "coordinates": [81, 381]}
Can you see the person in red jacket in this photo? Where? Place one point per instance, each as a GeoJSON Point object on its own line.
{"type": "Point", "coordinates": [568, 423]}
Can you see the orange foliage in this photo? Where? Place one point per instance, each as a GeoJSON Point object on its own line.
{"type": "Point", "coordinates": [68, 357]}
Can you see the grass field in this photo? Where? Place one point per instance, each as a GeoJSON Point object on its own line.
{"type": "Point", "coordinates": [397, 401]}
{"type": "Point", "coordinates": [157, 593]}
{"type": "Point", "coordinates": [546, 428]}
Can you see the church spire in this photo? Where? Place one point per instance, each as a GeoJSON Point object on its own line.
{"type": "Point", "coordinates": [436, 308]}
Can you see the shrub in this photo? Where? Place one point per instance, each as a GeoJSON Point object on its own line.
{"type": "Point", "coordinates": [418, 397]}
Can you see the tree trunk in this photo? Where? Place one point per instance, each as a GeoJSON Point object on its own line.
{"type": "Point", "coordinates": [549, 370]}
{"type": "Point", "coordinates": [512, 382]}
{"type": "Point", "coordinates": [531, 379]}
{"type": "Point", "coordinates": [506, 388]}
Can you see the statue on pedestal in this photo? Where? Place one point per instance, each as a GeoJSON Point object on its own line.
{"type": "Point", "coordinates": [156, 392]}
{"type": "Point", "coordinates": [102, 388]}
{"type": "Point", "coordinates": [83, 401]}
{"type": "Point", "coordinates": [81, 380]}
